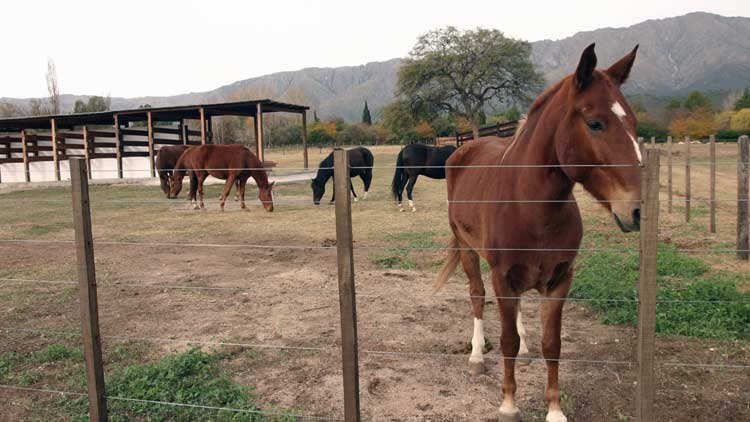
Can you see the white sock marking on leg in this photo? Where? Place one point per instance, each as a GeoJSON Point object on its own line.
{"type": "Point", "coordinates": [477, 341]}
{"type": "Point", "coordinates": [556, 416]}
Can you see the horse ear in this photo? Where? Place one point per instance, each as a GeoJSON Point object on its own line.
{"type": "Point", "coordinates": [585, 72]}
{"type": "Point", "coordinates": [621, 70]}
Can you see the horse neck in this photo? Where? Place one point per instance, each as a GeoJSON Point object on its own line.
{"type": "Point", "coordinates": [258, 173]}
{"type": "Point", "coordinates": [323, 175]}
{"type": "Point", "coordinates": [536, 148]}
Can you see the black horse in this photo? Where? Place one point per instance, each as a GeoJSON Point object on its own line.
{"type": "Point", "coordinates": [416, 159]}
{"type": "Point", "coordinates": [360, 161]}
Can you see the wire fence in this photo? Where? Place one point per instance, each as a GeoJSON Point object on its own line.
{"type": "Point", "coordinates": [346, 347]}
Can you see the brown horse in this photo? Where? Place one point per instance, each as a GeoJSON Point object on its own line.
{"type": "Point", "coordinates": [233, 163]}
{"type": "Point", "coordinates": [581, 130]}
{"type": "Point", "coordinates": [166, 159]}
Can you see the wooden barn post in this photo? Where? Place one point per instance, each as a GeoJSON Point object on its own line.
{"type": "Point", "coordinates": [150, 128]}
{"type": "Point", "coordinates": [55, 154]}
{"type": "Point", "coordinates": [669, 174]}
{"type": "Point", "coordinates": [712, 182]}
{"type": "Point", "coordinates": [203, 126]}
{"type": "Point", "coordinates": [183, 132]}
{"type": "Point", "coordinates": [641, 145]}
{"type": "Point", "coordinates": [347, 302]}
{"type": "Point", "coordinates": [118, 146]}
{"type": "Point", "coordinates": [644, 400]}
{"type": "Point", "coordinates": [688, 194]}
{"type": "Point", "coordinates": [86, 151]}
{"type": "Point", "coordinates": [259, 147]}
{"type": "Point", "coordinates": [743, 185]}
{"type": "Point", "coordinates": [92, 347]}
{"type": "Point", "coordinates": [25, 152]}
{"type": "Point", "coordinates": [304, 138]}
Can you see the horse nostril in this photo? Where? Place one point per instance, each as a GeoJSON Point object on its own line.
{"type": "Point", "coordinates": [637, 216]}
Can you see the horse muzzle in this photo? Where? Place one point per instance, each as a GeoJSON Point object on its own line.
{"type": "Point", "coordinates": [630, 224]}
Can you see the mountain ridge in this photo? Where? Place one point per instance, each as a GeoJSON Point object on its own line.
{"type": "Point", "coordinates": [696, 51]}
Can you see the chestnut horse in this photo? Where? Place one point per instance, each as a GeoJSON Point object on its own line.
{"type": "Point", "coordinates": [233, 163]}
{"type": "Point", "coordinates": [581, 130]}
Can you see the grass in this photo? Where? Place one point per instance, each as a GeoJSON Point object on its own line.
{"type": "Point", "coordinates": [411, 252]}
{"type": "Point", "coordinates": [192, 377]}
{"type": "Point", "coordinates": [610, 276]}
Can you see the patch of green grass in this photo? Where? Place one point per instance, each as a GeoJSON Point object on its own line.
{"type": "Point", "coordinates": [393, 258]}
{"type": "Point", "coordinates": [403, 255]}
{"type": "Point", "coordinates": [57, 352]}
{"type": "Point", "coordinates": [611, 276]}
{"type": "Point", "coordinates": [193, 377]}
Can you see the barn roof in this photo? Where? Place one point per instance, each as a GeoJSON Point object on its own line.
{"type": "Point", "coordinates": [175, 113]}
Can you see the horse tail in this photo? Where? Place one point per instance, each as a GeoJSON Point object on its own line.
{"type": "Point", "coordinates": [450, 264]}
{"type": "Point", "coordinates": [397, 185]}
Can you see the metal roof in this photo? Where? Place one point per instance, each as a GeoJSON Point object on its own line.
{"type": "Point", "coordinates": [174, 113]}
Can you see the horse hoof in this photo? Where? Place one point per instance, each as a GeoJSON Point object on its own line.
{"type": "Point", "coordinates": [476, 368]}
{"type": "Point", "coordinates": [523, 359]}
{"type": "Point", "coordinates": [510, 416]}
{"type": "Point", "coordinates": [401, 210]}
{"type": "Point", "coordinates": [556, 416]}
{"type": "Point", "coordinates": [413, 210]}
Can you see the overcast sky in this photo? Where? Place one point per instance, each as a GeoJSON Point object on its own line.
{"type": "Point", "coordinates": [158, 47]}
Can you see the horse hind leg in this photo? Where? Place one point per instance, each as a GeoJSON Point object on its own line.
{"type": "Point", "coordinates": [410, 190]}
{"type": "Point", "coordinates": [470, 263]}
{"type": "Point", "coordinates": [237, 191]}
{"type": "Point", "coordinates": [227, 190]}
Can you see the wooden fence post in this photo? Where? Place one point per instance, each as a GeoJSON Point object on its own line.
{"type": "Point", "coordinates": [712, 194]}
{"type": "Point", "coordinates": [644, 400]}
{"type": "Point", "coordinates": [118, 146]}
{"type": "Point", "coordinates": [304, 138]}
{"type": "Point", "coordinates": [92, 346]}
{"type": "Point", "coordinates": [86, 151]}
{"type": "Point", "coordinates": [345, 259]}
{"type": "Point", "coordinates": [641, 146]}
{"type": "Point", "coordinates": [669, 174]}
{"type": "Point", "coordinates": [150, 134]}
{"type": "Point", "coordinates": [25, 152]}
{"type": "Point", "coordinates": [687, 179]}
{"type": "Point", "coordinates": [743, 185]}
{"type": "Point", "coordinates": [55, 152]}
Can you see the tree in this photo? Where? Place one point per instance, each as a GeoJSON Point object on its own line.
{"type": "Point", "coordinates": [463, 72]}
{"type": "Point", "coordinates": [697, 101]}
{"type": "Point", "coordinates": [741, 121]}
{"type": "Point", "coordinates": [696, 124]}
{"type": "Point", "coordinates": [743, 101]}
{"type": "Point", "coordinates": [315, 117]}
{"type": "Point", "coordinates": [366, 118]}
{"type": "Point", "coordinates": [8, 109]}
{"type": "Point", "coordinates": [53, 87]}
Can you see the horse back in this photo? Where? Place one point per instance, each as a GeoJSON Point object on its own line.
{"type": "Point", "coordinates": [167, 157]}
{"type": "Point", "coordinates": [473, 164]}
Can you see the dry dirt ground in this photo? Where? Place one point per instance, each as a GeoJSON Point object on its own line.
{"type": "Point", "coordinates": [289, 298]}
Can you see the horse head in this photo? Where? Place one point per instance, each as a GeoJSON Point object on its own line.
{"type": "Point", "coordinates": [265, 194]}
{"type": "Point", "coordinates": [319, 189]}
{"type": "Point", "coordinates": [597, 137]}
{"type": "Point", "coordinates": [175, 184]}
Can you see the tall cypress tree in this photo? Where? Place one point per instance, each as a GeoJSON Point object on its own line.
{"type": "Point", "coordinates": [366, 118]}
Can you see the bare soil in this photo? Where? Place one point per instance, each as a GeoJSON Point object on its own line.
{"type": "Point", "coordinates": [413, 343]}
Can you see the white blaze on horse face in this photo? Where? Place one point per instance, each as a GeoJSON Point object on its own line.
{"type": "Point", "coordinates": [621, 113]}
{"type": "Point", "coordinates": [477, 342]}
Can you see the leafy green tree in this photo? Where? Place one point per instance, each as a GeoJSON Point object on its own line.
{"type": "Point", "coordinates": [366, 118]}
{"type": "Point", "coordinates": [743, 101]}
{"type": "Point", "coordinates": [697, 101]}
{"type": "Point", "coordinates": [93, 105]}
{"type": "Point", "coordinates": [463, 72]}
{"type": "Point", "coordinates": [648, 128]}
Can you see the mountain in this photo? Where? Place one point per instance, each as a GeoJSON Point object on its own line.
{"type": "Point", "coordinates": [697, 51]}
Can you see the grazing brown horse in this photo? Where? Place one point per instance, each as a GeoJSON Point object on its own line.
{"type": "Point", "coordinates": [581, 130]}
{"type": "Point", "coordinates": [233, 163]}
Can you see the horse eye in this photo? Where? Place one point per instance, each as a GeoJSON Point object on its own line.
{"type": "Point", "coordinates": [595, 125]}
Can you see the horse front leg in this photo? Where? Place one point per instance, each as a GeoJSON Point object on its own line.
{"type": "Point", "coordinates": [552, 326]}
{"type": "Point", "coordinates": [367, 181]}
{"type": "Point", "coordinates": [227, 190]}
{"type": "Point", "coordinates": [351, 187]}
{"type": "Point", "coordinates": [193, 193]}
{"type": "Point", "coordinates": [510, 343]}
{"type": "Point", "coordinates": [201, 178]}
{"type": "Point", "coordinates": [237, 191]}
{"type": "Point", "coordinates": [243, 183]}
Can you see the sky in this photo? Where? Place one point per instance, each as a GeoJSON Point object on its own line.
{"type": "Point", "coordinates": [163, 47]}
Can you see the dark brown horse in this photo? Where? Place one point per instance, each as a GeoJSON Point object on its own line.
{"type": "Point", "coordinates": [233, 163]}
{"type": "Point", "coordinates": [166, 159]}
{"type": "Point", "coordinates": [581, 130]}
